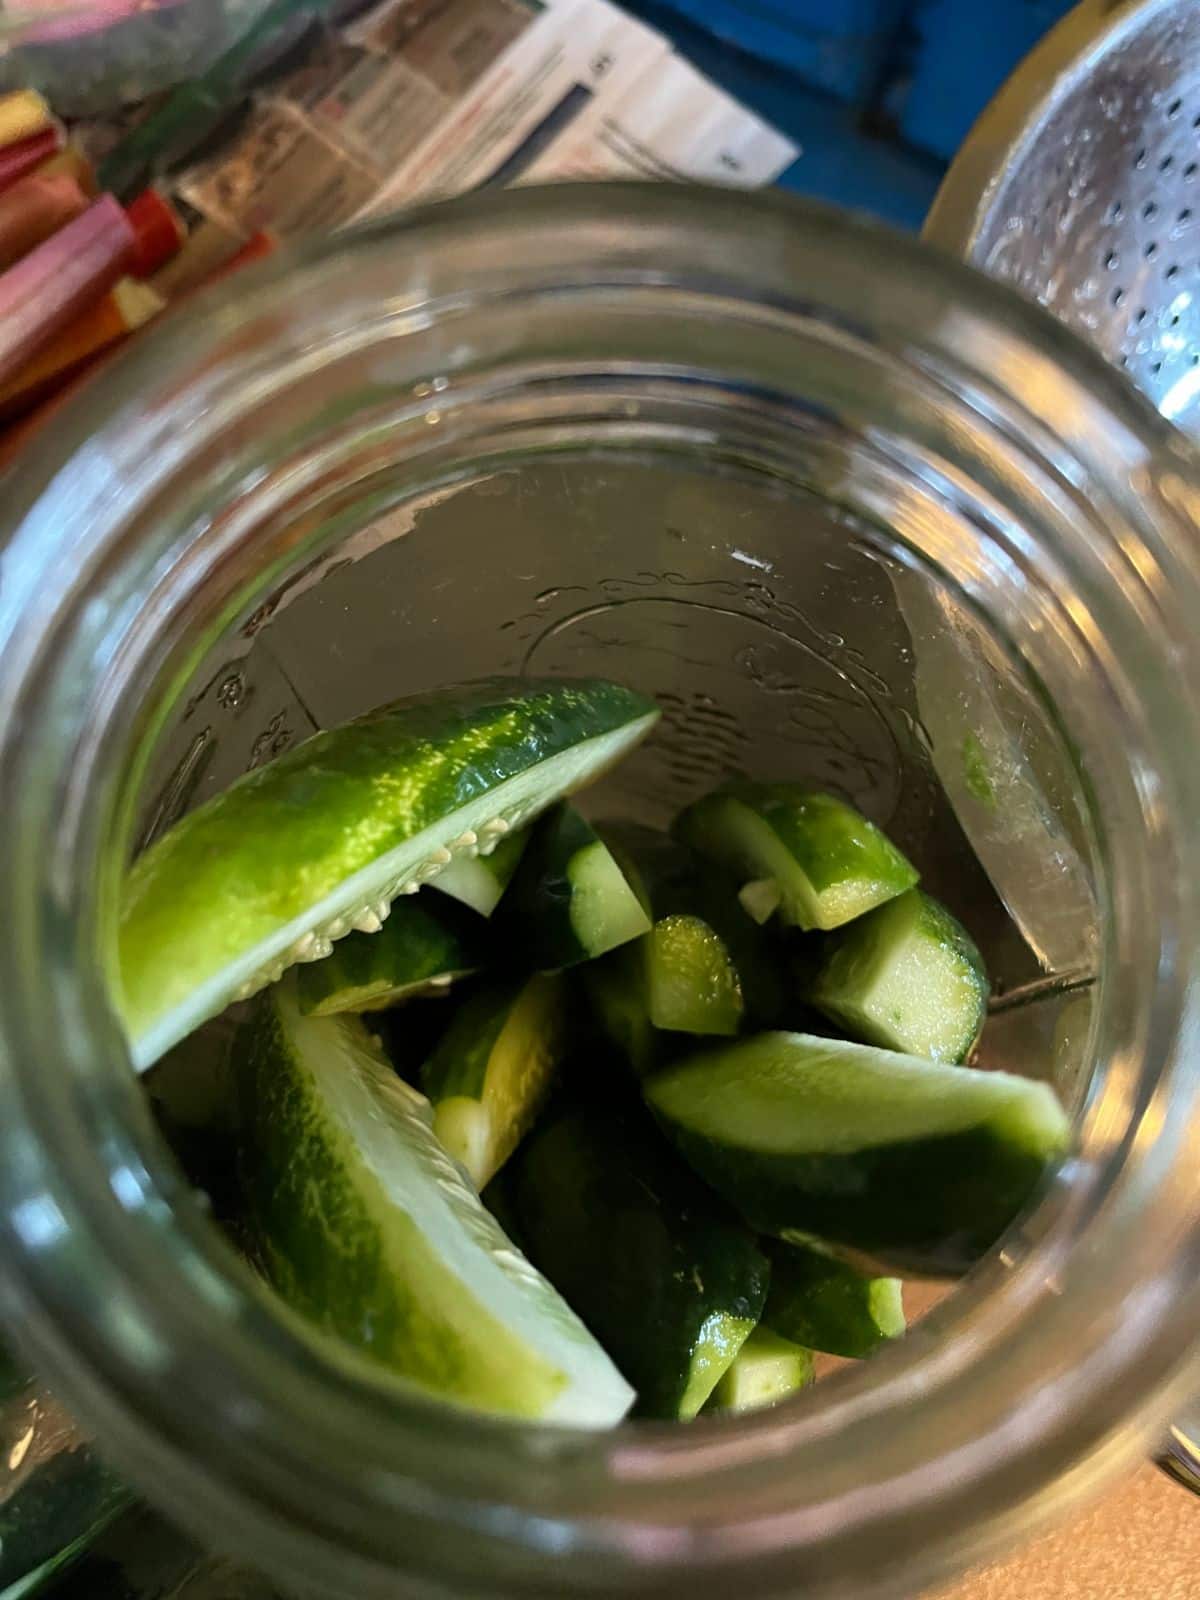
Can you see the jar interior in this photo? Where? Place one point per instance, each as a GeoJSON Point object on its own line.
{"type": "Point", "coordinates": [849, 515]}
{"type": "Point", "coordinates": [786, 632]}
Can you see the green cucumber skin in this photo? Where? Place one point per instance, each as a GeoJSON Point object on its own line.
{"type": "Point", "coordinates": [830, 842]}
{"type": "Point", "coordinates": [838, 1197]}
{"type": "Point", "coordinates": [850, 953]}
{"type": "Point", "coordinates": [424, 938]}
{"type": "Point", "coordinates": [641, 1251]}
{"type": "Point", "coordinates": [325, 1233]}
{"type": "Point", "coordinates": [458, 1065]}
{"type": "Point", "coordinates": [251, 862]}
{"type": "Point", "coordinates": [825, 1304]}
{"type": "Point", "coordinates": [826, 837]}
{"type": "Point", "coordinates": [538, 911]}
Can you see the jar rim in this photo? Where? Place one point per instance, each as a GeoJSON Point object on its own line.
{"type": "Point", "coordinates": [87, 564]}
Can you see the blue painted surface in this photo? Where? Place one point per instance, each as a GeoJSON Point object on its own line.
{"type": "Point", "coordinates": [963, 54]}
{"type": "Point", "coordinates": [878, 93]}
{"type": "Point", "coordinates": [838, 162]}
{"type": "Point", "coordinates": [836, 47]}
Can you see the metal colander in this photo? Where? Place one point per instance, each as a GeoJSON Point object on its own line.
{"type": "Point", "coordinates": [1080, 185]}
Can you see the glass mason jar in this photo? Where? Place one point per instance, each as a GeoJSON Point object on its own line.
{"type": "Point", "coordinates": [849, 511]}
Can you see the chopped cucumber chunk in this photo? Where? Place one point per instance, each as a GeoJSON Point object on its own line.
{"type": "Point", "coordinates": [826, 1304]}
{"type": "Point", "coordinates": [299, 852]}
{"type": "Point", "coordinates": [692, 985]}
{"type": "Point", "coordinates": [765, 1370]}
{"type": "Point", "coordinates": [920, 1165]}
{"type": "Point", "coordinates": [908, 977]}
{"type": "Point", "coordinates": [492, 1070]}
{"type": "Point", "coordinates": [421, 949]}
{"type": "Point", "coordinates": [569, 900]}
{"type": "Point", "coordinates": [658, 1268]}
{"type": "Point", "coordinates": [827, 863]}
{"type": "Point", "coordinates": [480, 880]}
{"type": "Point", "coordinates": [365, 1226]}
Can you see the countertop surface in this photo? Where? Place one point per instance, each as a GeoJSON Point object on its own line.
{"type": "Point", "coordinates": [1141, 1541]}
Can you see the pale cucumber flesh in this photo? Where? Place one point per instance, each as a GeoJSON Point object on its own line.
{"type": "Point", "coordinates": [493, 1070]}
{"type": "Point", "coordinates": [605, 911]}
{"type": "Point", "coordinates": [480, 881]}
{"type": "Point", "coordinates": [365, 1225]}
{"type": "Point", "coordinates": [692, 985]}
{"type": "Point", "coordinates": [906, 977]}
{"type": "Point", "coordinates": [765, 1370]}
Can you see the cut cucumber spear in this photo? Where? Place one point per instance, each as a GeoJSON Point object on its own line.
{"type": "Point", "coordinates": [364, 1225]}
{"type": "Point", "coordinates": [692, 985]}
{"type": "Point", "coordinates": [674, 881]}
{"type": "Point", "coordinates": [811, 854]}
{"type": "Point", "coordinates": [491, 1071]}
{"type": "Point", "coordinates": [765, 1370]}
{"type": "Point", "coordinates": [569, 900]}
{"type": "Point", "coordinates": [423, 946]}
{"type": "Point", "coordinates": [657, 1267]}
{"type": "Point", "coordinates": [480, 880]}
{"type": "Point", "coordinates": [908, 977]}
{"type": "Point", "coordinates": [822, 1303]}
{"type": "Point", "coordinates": [297, 853]}
{"type": "Point", "coordinates": [703, 969]}
{"type": "Point", "coordinates": [918, 1165]}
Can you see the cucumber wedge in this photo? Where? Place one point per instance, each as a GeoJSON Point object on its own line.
{"type": "Point", "coordinates": [676, 979]}
{"type": "Point", "coordinates": [569, 901]}
{"type": "Point", "coordinates": [364, 1225]}
{"type": "Point", "coordinates": [674, 881]}
{"type": "Point", "coordinates": [657, 1267]}
{"type": "Point", "coordinates": [421, 949]}
{"type": "Point", "coordinates": [480, 880]}
{"type": "Point", "coordinates": [704, 969]}
{"type": "Point", "coordinates": [765, 1370]}
{"type": "Point", "coordinates": [492, 1070]}
{"type": "Point", "coordinates": [822, 1303]}
{"type": "Point", "coordinates": [918, 1165]}
{"type": "Point", "coordinates": [906, 976]}
{"type": "Point", "coordinates": [827, 863]}
{"type": "Point", "coordinates": [692, 985]}
{"type": "Point", "coordinates": [301, 851]}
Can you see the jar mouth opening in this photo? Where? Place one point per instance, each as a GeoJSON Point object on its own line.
{"type": "Point", "coordinates": [177, 513]}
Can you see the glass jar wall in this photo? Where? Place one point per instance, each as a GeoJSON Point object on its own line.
{"type": "Point", "coordinates": [848, 512]}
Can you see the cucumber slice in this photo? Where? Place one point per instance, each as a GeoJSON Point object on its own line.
{"type": "Point", "coordinates": [491, 1072]}
{"type": "Point", "coordinates": [705, 968]}
{"type": "Point", "coordinates": [661, 1272]}
{"type": "Point", "coordinates": [678, 978]}
{"type": "Point", "coordinates": [692, 985]}
{"type": "Point", "coordinates": [765, 1370]}
{"type": "Point", "coordinates": [674, 881]}
{"type": "Point", "coordinates": [828, 863]}
{"type": "Point", "coordinates": [479, 880]}
{"type": "Point", "coordinates": [908, 977]}
{"type": "Point", "coordinates": [421, 949]}
{"type": "Point", "coordinates": [569, 901]}
{"type": "Point", "coordinates": [297, 853]}
{"type": "Point", "coordinates": [919, 1165]}
{"type": "Point", "coordinates": [365, 1226]}
{"type": "Point", "coordinates": [826, 1304]}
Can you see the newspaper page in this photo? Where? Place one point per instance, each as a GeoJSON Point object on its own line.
{"type": "Point", "coordinates": [422, 98]}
